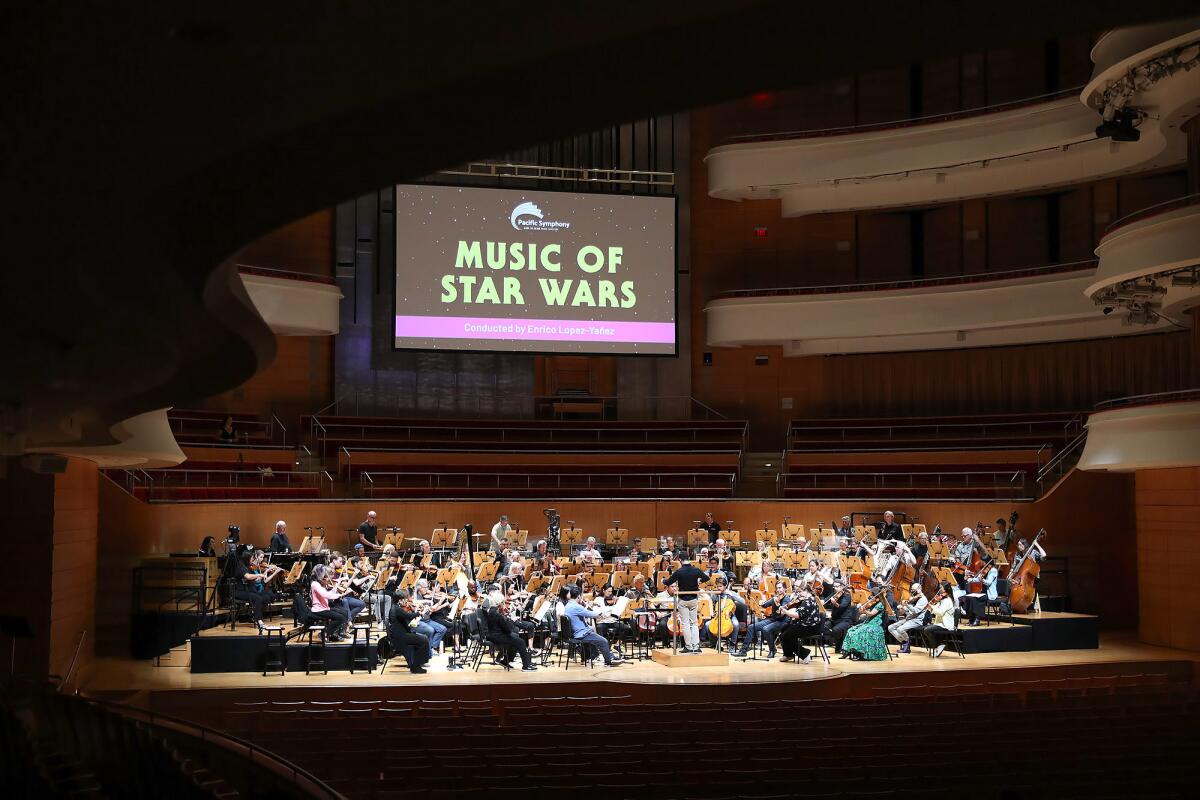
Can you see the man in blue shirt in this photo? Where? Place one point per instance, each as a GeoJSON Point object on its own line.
{"type": "Point", "coordinates": [581, 632]}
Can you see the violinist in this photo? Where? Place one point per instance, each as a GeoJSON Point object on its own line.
{"type": "Point", "coordinates": [802, 618]}
{"type": "Point", "coordinates": [324, 596]}
{"type": "Point", "coordinates": [350, 604]}
{"type": "Point", "coordinates": [910, 617]}
{"type": "Point", "coordinates": [402, 634]}
{"type": "Point", "coordinates": [251, 585]}
{"type": "Point", "coordinates": [815, 578]}
{"type": "Point", "coordinates": [759, 573]}
{"type": "Point", "coordinates": [607, 624]}
{"type": "Point", "coordinates": [424, 559]}
{"type": "Point", "coordinates": [581, 632]}
{"type": "Point", "coordinates": [841, 612]}
{"type": "Point", "coordinates": [944, 619]}
{"type": "Point", "coordinates": [865, 641]}
{"type": "Point", "coordinates": [920, 548]}
{"type": "Point", "coordinates": [383, 594]}
{"type": "Point", "coordinates": [767, 628]}
{"type": "Point", "coordinates": [502, 633]}
{"type": "Point", "coordinates": [425, 605]}
{"type": "Point", "coordinates": [542, 560]}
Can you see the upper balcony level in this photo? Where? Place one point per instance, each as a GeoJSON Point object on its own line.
{"type": "Point", "coordinates": [1029, 145]}
{"type": "Point", "coordinates": [293, 303]}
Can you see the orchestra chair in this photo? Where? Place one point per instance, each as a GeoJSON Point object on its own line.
{"type": "Point", "coordinates": [995, 608]}
{"type": "Point", "coordinates": [276, 646]}
{"type": "Point", "coordinates": [314, 650]}
{"type": "Point", "coordinates": [478, 643]}
{"type": "Point", "coordinates": [236, 606]}
{"type": "Point", "coordinates": [569, 647]}
{"type": "Point", "coordinates": [818, 643]}
{"type": "Point", "coordinates": [361, 639]}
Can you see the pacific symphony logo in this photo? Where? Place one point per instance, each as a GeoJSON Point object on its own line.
{"type": "Point", "coordinates": [520, 219]}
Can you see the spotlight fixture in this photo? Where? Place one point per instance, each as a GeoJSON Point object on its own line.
{"type": "Point", "coordinates": [1121, 126]}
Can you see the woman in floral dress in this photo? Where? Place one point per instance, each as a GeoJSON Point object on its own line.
{"type": "Point", "coordinates": [864, 642]}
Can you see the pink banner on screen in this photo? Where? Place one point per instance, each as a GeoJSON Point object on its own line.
{"type": "Point", "coordinates": [534, 330]}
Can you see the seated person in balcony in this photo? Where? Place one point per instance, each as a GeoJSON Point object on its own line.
{"type": "Point", "coordinates": [405, 641]}
{"type": "Point", "coordinates": [589, 555]}
{"type": "Point", "coordinates": [891, 529]}
{"type": "Point", "coordinates": [324, 597]}
{"type": "Point", "coordinates": [250, 586]}
{"type": "Point", "coordinates": [368, 532]}
{"type": "Point", "coordinates": [227, 433]}
{"type": "Point", "coordinates": [279, 539]}
{"type": "Point", "coordinates": [711, 526]}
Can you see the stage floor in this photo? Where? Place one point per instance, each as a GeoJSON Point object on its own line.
{"type": "Point", "coordinates": [127, 675]}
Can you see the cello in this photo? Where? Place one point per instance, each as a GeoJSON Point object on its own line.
{"type": "Point", "coordinates": [1023, 578]}
{"type": "Point", "coordinates": [929, 583]}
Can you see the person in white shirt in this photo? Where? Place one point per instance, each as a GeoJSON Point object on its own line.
{"type": "Point", "coordinates": [759, 573]}
{"type": "Point", "coordinates": [910, 616]}
{"type": "Point", "coordinates": [944, 614]}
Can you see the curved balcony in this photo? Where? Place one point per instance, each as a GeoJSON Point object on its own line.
{"type": "Point", "coordinates": [1030, 145]}
{"type": "Point", "coordinates": [1159, 431]}
{"type": "Point", "coordinates": [144, 441]}
{"type": "Point", "coordinates": [1149, 259]}
{"type": "Point", "coordinates": [1022, 307]}
{"type": "Point", "coordinates": [294, 303]}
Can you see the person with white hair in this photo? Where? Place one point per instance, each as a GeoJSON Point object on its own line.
{"type": "Point", "coordinates": [909, 617]}
{"type": "Point", "coordinates": [890, 528]}
{"type": "Point", "coordinates": [589, 555]}
{"type": "Point", "coordinates": [502, 633]}
{"type": "Point", "coordinates": [279, 539]}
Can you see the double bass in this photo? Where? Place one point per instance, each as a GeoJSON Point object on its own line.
{"type": "Point", "coordinates": [1023, 577]}
{"type": "Point", "coordinates": [929, 582]}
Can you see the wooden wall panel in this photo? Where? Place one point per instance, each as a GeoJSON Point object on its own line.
{"type": "Point", "coordinates": [1167, 503]}
{"type": "Point", "coordinates": [73, 572]}
{"type": "Point", "coordinates": [299, 381]}
{"type": "Point", "coordinates": [305, 245]}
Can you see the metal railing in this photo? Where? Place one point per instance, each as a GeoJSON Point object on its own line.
{"type": "Point", "coordinates": [1177, 396]}
{"type": "Point", "coordinates": [273, 429]}
{"type": "Point", "coordinates": [1153, 211]}
{"type": "Point", "coordinates": [302, 780]}
{"type": "Point", "coordinates": [502, 481]}
{"type": "Point", "coordinates": [1063, 460]}
{"type": "Point", "coordinates": [929, 119]}
{"type": "Point", "coordinates": [493, 405]}
{"type": "Point", "coordinates": [915, 283]}
{"type": "Point", "coordinates": [1005, 484]}
{"type": "Point", "coordinates": [599, 434]}
{"type": "Point", "coordinates": [917, 430]}
{"type": "Point", "coordinates": [163, 480]}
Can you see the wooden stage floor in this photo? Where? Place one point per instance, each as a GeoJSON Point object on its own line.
{"type": "Point", "coordinates": [116, 675]}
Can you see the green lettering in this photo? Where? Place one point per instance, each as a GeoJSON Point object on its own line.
{"type": "Point", "coordinates": [555, 291]}
{"type": "Point", "coordinates": [468, 256]}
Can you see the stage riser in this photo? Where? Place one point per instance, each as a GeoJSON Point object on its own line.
{"type": "Point", "coordinates": [249, 654]}
{"type": "Point", "coordinates": [983, 639]}
{"type": "Point", "coordinates": [1077, 632]}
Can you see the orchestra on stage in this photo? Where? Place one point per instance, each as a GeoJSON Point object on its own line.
{"type": "Point", "coordinates": [855, 589]}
